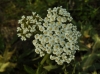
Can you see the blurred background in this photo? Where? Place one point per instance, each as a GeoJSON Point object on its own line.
{"type": "Point", "coordinates": [86, 16]}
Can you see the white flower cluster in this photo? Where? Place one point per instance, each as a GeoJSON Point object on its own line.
{"type": "Point", "coordinates": [59, 38]}
{"type": "Point", "coordinates": [28, 25]}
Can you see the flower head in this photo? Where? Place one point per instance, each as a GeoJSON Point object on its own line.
{"type": "Point", "coordinates": [59, 36]}
{"type": "Point", "coordinates": [28, 24]}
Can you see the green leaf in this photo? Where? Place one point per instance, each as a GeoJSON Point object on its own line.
{"type": "Point", "coordinates": [3, 66]}
{"type": "Point", "coordinates": [29, 70]}
{"type": "Point", "coordinates": [50, 67]}
{"type": "Point", "coordinates": [83, 47]}
{"type": "Point", "coordinates": [94, 72]}
{"type": "Point", "coordinates": [97, 42]}
{"type": "Point", "coordinates": [89, 61]}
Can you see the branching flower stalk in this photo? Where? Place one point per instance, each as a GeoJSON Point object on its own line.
{"type": "Point", "coordinates": [58, 36]}
{"type": "Point", "coordinates": [41, 63]}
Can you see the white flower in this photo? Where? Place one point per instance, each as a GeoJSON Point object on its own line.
{"type": "Point", "coordinates": [52, 57]}
{"type": "Point", "coordinates": [50, 28]}
{"type": "Point", "coordinates": [25, 30]}
{"type": "Point", "coordinates": [68, 52]}
{"type": "Point", "coordinates": [49, 15]}
{"type": "Point", "coordinates": [72, 56]}
{"type": "Point", "coordinates": [41, 37]}
{"type": "Point", "coordinates": [64, 57]}
{"type": "Point", "coordinates": [57, 35]}
{"type": "Point", "coordinates": [59, 19]}
{"type": "Point", "coordinates": [23, 38]}
{"type": "Point", "coordinates": [69, 26]}
{"type": "Point", "coordinates": [63, 19]}
{"type": "Point", "coordinates": [19, 34]}
{"type": "Point", "coordinates": [28, 25]}
{"type": "Point", "coordinates": [52, 41]}
{"type": "Point", "coordinates": [70, 19]}
{"type": "Point", "coordinates": [49, 10]}
{"type": "Point", "coordinates": [32, 29]}
{"type": "Point", "coordinates": [37, 51]}
{"type": "Point", "coordinates": [18, 29]}
{"type": "Point", "coordinates": [52, 18]}
{"type": "Point", "coordinates": [48, 46]}
{"type": "Point", "coordinates": [62, 43]}
{"type": "Point", "coordinates": [74, 28]}
{"type": "Point", "coordinates": [33, 13]}
{"type": "Point", "coordinates": [37, 36]}
{"type": "Point", "coordinates": [56, 46]}
{"type": "Point", "coordinates": [20, 21]}
{"type": "Point", "coordinates": [49, 33]}
{"type": "Point", "coordinates": [46, 39]}
{"type": "Point", "coordinates": [42, 54]}
{"type": "Point", "coordinates": [40, 19]}
{"type": "Point", "coordinates": [60, 62]}
{"type": "Point", "coordinates": [45, 24]}
{"type": "Point", "coordinates": [22, 26]}
{"type": "Point", "coordinates": [68, 60]}
{"type": "Point", "coordinates": [23, 17]}
{"type": "Point", "coordinates": [77, 47]}
{"type": "Point", "coordinates": [28, 35]}
{"type": "Point", "coordinates": [41, 28]}
{"type": "Point", "coordinates": [46, 19]}
{"type": "Point", "coordinates": [29, 18]}
{"type": "Point", "coordinates": [55, 28]}
{"type": "Point", "coordinates": [48, 51]}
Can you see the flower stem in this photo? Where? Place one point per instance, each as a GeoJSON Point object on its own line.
{"type": "Point", "coordinates": [41, 63]}
{"type": "Point", "coordinates": [44, 59]}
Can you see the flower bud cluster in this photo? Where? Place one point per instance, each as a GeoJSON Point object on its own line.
{"type": "Point", "coordinates": [59, 38]}
{"type": "Point", "coordinates": [28, 24]}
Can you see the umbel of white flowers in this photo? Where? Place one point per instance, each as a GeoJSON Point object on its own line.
{"type": "Point", "coordinates": [59, 36]}
{"type": "Point", "coordinates": [28, 25]}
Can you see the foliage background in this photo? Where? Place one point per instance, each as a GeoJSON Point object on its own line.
{"type": "Point", "coordinates": [22, 58]}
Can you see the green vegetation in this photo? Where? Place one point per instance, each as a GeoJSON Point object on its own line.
{"type": "Point", "coordinates": [19, 57]}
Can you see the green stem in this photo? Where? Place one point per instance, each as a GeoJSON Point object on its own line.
{"type": "Point", "coordinates": [64, 69]}
{"type": "Point", "coordinates": [44, 59]}
{"type": "Point", "coordinates": [41, 63]}
{"type": "Point", "coordinates": [74, 69]}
